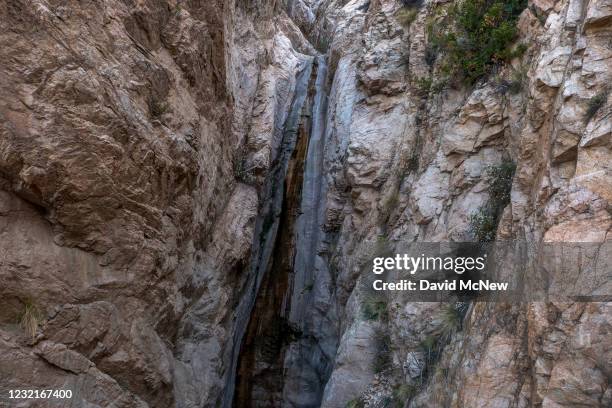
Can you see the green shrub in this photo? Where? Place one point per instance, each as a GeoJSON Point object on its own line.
{"type": "Point", "coordinates": [386, 402]}
{"type": "Point", "coordinates": [594, 104]}
{"type": "Point", "coordinates": [452, 317]}
{"type": "Point", "coordinates": [374, 308]}
{"type": "Point", "coordinates": [356, 403]}
{"type": "Point", "coordinates": [515, 85]}
{"type": "Point", "coordinates": [480, 35]}
{"type": "Point", "coordinates": [404, 393]}
{"type": "Point", "coordinates": [483, 224]}
{"type": "Point", "coordinates": [382, 359]}
{"type": "Point", "coordinates": [500, 183]}
{"type": "Point", "coordinates": [425, 85]}
{"type": "Point", "coordinates": [432, 346]}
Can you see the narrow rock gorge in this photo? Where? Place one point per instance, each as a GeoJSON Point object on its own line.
{"type": "Point", "coordinates": [191, 191]}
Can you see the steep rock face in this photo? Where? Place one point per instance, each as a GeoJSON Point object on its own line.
{"type": "Point", "coordinates": [404, 165]}
{"type": "Point", "coordinates": [138, 149]}
{"type": "Point", "coordinates": [125, 216]}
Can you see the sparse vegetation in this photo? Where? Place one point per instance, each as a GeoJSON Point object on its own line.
{"type": "Point", "coordinates": [594, 104]}
{"type": "Point", "coordinates": [432, 345]}
{"type": "Point", "coordinates": [157, 107]}
{"type": "Point", "coordinates": [480, 35]}
{"type": "Point", "coordinates": [356, 403]}
{"type": "Point", "coordinates": [515, 85]}
{"type": "Point", "coordinates": [382, 359]}
{"type": "Point", "coordinates": [500, 183]}
{"type": "Point", "coordinates": [431, 54]}
{"type": "Point", "coordinates": [30, 318]}
{"type": "Point", "coordinates": [452, 317]}
{"type": "Point", "coordinates": [483, 223]}
{"type": "Point", "coordinates": [425, 85]}
{"type": "Point", "coordinates": [178, 8]}
{"type": "Point", "coordinates": [374, 308]}
{"type": "Point", "coordinates": [403, 393]}
{"type": "Point", "coordinates": [406, 15]}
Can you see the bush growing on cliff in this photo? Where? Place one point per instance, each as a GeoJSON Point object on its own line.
{"type": "Point", "coordinates": [425, 85]}
{"type": "Point", "coordinates": [404, 393]}
{"type": "Point", "coordinates": [374, 308]}
{"type": "Point", "coordinates": [432, 345]}
{"type": "Point", "coordinates": [356, 403]}
{"type": "Point", "coordinates": [452, 317]}
{"type": "Point", "coordinates": [406, 15]}
{"type": "Point", "coordinates": [481, 35]}
{"type": "Point", "coordinates": [594, 104]}
{"type": "Point", "coordinates": [483, 223]}
{"type": "Point", "coordinates": [519, 76]}
{"type": "Point", "coordinates": [500, 183]}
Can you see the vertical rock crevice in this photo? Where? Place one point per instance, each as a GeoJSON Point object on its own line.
{"type": "Point", "coordinates": [269, 255]}
{"type": "Point", "coordinates": [279, 350]}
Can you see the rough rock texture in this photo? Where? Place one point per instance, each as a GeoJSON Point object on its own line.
{"type": "Point", "coordinates": [124, 230]}
{"type": "Point", "coordinates": [408, 166]}
{"type": "Point", "coordinates": [137, 139]}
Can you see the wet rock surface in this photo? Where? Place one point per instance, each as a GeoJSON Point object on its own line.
{"type": "Point", "coordinates": [139, 153]}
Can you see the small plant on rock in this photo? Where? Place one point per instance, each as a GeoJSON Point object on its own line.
{"type": "Point", "coordinates": [404, 393]}
{"type": "Point", "coordinates": [516, 82]}
{"type": "Point", "coordinates": [452, 317]}
{"type": "Point", "coordinates": [424, 84]}
{"type": "Point", "coordinates": [406, 15]}
{"type": "Point", "coordinates": [594, 104]}
{"type": "Point", "coordinates": [483, 223]}
{"type": "Point", "coordinates": [432, 345]}
{"type": "Point", "coordinates": [356, 403]}
{"type": "Point", "coordinates": [478, 34]}
{"type": "Point", "coordinates": [30, 318]}
{"type": "Point", "coordinates": [374, 308]}
{"type": "Point", "coordinates": [500, 182]}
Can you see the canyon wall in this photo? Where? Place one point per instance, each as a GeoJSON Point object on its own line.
{"type": "Point", "coordinates": [189, 191]}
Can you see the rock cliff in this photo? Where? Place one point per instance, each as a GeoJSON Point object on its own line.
{"type": "Point", "coordinates": [189, 191]}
